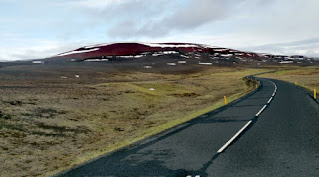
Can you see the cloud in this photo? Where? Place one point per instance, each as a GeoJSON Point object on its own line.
{"type": "Point", "coordinates": [197, 13]}
{"type": "Point", "coordinates": [113, 10]}
{"type": "Point", "coordinates": [94, 4]}
{"type": "Point", "coordinates": [185, 17]}
{"type": "Point", "coordinates": [156, 18]}
{"type": "Point", "coordinates": [39, 49]}
{"type": "Point", "coordinates": [118, 18]}
{"type": "Point", "coordinates": [308, 47]}
{"type": "Point", "coordinates": [267, 25]}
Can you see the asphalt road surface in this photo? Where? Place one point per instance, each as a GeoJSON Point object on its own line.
{"type": "Point", "coordinates": [272, 132]}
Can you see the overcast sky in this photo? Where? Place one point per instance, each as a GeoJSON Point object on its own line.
{"type": "Point", "coordinates": [41, 28]}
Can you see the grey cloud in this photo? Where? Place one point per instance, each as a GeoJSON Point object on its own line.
{"type": "Point", "coordinates": [194, 15]}
{"type": "Point", "coordinates": [162, 17]}
{"type": "Point", "coordinates": [37, 51]}
{"type": "Point", "coordinates": [197, 13]}
{"type": "Point", "coordinates": [129, 9]}
{"type": "Point", "coordinates": [308, 47]}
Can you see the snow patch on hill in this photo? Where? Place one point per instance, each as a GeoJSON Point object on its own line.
{"type": "Point", "coordinates": [78, 51]}
{"type": "Point", "coordinates": [169, 45]}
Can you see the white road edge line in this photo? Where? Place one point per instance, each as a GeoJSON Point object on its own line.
{"type": "Point", "coordinates": [262, 109]}
{"type": "Point", "coordinates": [233, 138]}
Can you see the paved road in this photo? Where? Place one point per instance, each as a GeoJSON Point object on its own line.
{"type": "Point", "coordinates": [281, 141]}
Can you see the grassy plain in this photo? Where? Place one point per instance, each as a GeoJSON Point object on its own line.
{"type": "Point", "coordinates": [307, 77]}
{"type": "Point", "coordinates": [49, 123]}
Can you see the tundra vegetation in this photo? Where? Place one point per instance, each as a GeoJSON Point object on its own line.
{"type": "Point", "coordinates": [52, 118]}
{"type": "Point", "coordinates": [307, 77]}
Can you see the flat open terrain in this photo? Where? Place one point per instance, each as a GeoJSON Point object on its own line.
{"type": "Point", "coordinates": [307, 77]}
{"type": "Point", "coordinates": [51, 120]}
{"type": "Point", "coordinates": [280, 140]}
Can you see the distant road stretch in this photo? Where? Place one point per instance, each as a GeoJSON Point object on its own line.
{"type": "Point", "coordinates": [272, 132]}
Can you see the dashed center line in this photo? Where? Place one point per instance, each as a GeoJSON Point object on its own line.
{"type": "Point", "coordinates": [262, 109]}
{"type": "Point", "coordinates": [269, 100]}
{"type": "Point", "coordinates": [248, 123]}
{"type": "Point", "coordinates": [234, 137]}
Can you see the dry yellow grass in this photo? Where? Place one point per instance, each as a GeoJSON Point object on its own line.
{"type": "Point", "coordinates": [49, 124]}
{"type": "Point", "coordinates": [307, 77]}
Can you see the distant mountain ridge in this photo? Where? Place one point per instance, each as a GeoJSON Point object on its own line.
{"type": "Point", "coordinates": [132, 49]}
{"type": "Point", "coordinates": [105, 52]}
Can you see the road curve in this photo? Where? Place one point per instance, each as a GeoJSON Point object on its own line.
{"type": "Point", "coordinates": [272, 132]}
